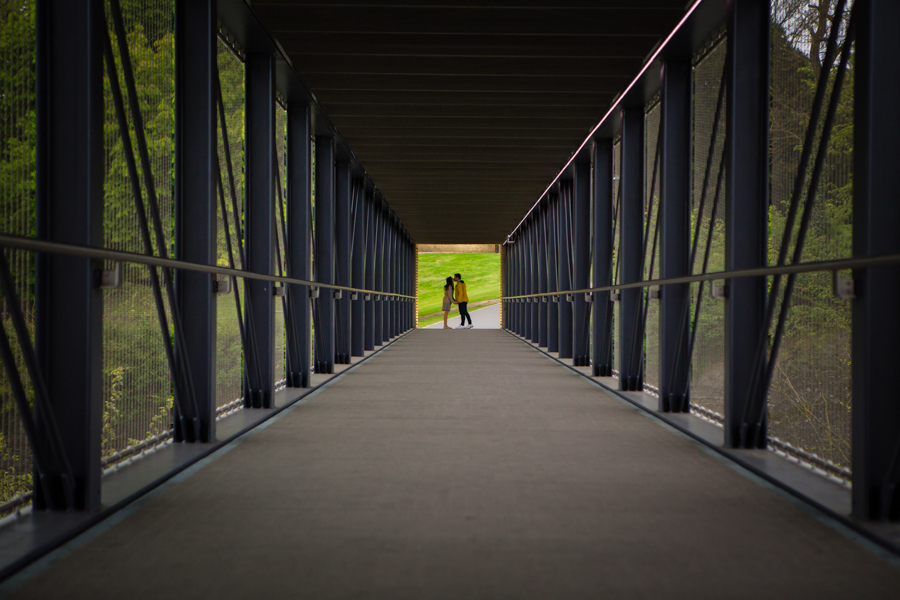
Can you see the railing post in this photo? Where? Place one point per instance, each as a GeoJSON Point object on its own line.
{"type": "Point", "coordinates": [541, 233]}
{"type": "Point", "coordinates": [603, 252]}
{"type": "Point", "coordinates": [68, 304]}
{"type": "Point", "coordinates": [378, 263]}
{"type": "Point", "coordinates": [581, 258]}
{"type": "Point", "coordinates": [746, 210]}
{"type": "Point", "coordinates": [325, 199]}
{"type": "Point", "coordinates": [552, 273]}
{"type": "Point", "coordinates": [195, 200]}
{"type": "Point", "coordinates": [358, 319]}
{"type": "Point", "coordinates": [259, 216]}
{"type": "Point", "coordinates": [342, 241]}
{"type": "Point", "coordinates": [299, 234]}
{"type": "Point", "coordinates": [631, 248]}
{"type": "Point", "coordinates": [876, 216]}
{"type": "Point", "coordinates": [675, 215]}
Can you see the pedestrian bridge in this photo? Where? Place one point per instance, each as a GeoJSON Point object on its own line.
{"type": "Point", "coordinates": [465, 464]}
{"type": "Point", "coordinates": [213, 378]}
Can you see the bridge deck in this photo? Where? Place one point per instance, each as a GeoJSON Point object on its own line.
{"type": "Point", "coordinates": [464, 465]}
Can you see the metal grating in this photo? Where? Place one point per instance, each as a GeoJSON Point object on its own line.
{"type": "Point", "coordinates": [17, 181]}
{"type": "Point", "coordinates": [810, 394]}
{"type": "Point", "coordinates": [229, 353]}
{"type": "Point", "coordinates": [707, 362]}
{"type": "Point", "coordinates": [137, 387]}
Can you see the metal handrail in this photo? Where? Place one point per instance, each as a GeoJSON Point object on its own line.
{"type": "Point", "coordinates": [887, 260]}
{"type": "Point", "coordinates": [36, 245]}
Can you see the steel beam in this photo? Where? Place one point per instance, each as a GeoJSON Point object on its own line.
{"type": "Point", "coordinates": [581, 258]}
{"type": "Point", "coordinates": [603, 255]}
{"type": "Point", "coordinates": [360, 227]}
{"type": "Point", "coordinates": [876, 217]}
{"type": "Point", "coordinates": [325, 200]}
{"type": "Point", "coordinates": [387, 286]}
{"type": "Point", "coordinates": [69, 207]}
{"type": "Point", "coordinates": [631, 372]}
{"type": "Point", "coordinates": [675, 225]}
{"type": "Point", "coordinates": [196, 173]}
{"type": "Point", "coordinates": [299, 248]}
{"type": "Point", "coordinates": [535, 283]}
{"type": "Point", "coordinates": [746, 212]}
{"type": "Point", "coordinates": [259, 218]}
{"type": "Point", "coordinates": [378, 224]}
{"type": "Point", "coordinates": [553, 272]}
{"type": "Point", "coordinates": [542, 276]}
{"type": "Point", "coordinates": [564, 268]}
{"type": "Point", "coordinates": [342, 242]}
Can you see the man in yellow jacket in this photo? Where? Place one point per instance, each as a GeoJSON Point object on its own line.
{"type": "Point", "coordinates": [462, 299]}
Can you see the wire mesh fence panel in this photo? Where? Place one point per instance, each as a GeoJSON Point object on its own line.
{"type": "Point", "coordinates": [615, 306]}
{"type": "Point", "coordinates": [651, 245]}
{"type": "Point", "coordinates": [229, 352]}
{"type": "Point", "coordinates": [708, 240]}
{"type": "Point", "coordinates": [137, 387]}
{"type": "Point", "coordinates": [17, 217]}
{"type": "Point", "coordinates": [280, 213]}
{"type": "Point", "coordinates": [810, 395]}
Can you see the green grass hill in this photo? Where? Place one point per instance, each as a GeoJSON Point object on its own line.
{"type": "Point", "coordinates": [480, 271]}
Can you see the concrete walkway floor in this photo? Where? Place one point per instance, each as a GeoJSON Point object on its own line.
{"type": "Point", "coordinates": [465, 467]}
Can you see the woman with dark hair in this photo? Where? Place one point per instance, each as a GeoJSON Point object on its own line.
{"type": "Point", "coordinates": [448, 300]}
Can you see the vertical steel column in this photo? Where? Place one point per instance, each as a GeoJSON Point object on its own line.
{"type": "Point", "coordinates": [542, 275]}
{"type": "Point", "coordinates": [553, 273]}
{"type": "Point", "coordinates": [532, 282]}
{"type": "Point", "coordinates": [631, 248]}
{"type": "Point", "coordinates": [386, 275]}
{"type": "Point", "coordinates": [603, 254]}
{"type": "Point", "coordinates": [564, 269]}
{"type": "Point", "coordinates": [195, 200]}
{"type": "Point", "coordinates": [675, 215]}
{"type": "Point", "coordinates": [299, 234]}
{"type": "Point", "coordinates": [581, 257]}
{"type": "Point", "coordinates": [325, 199]}
{"type": "Point", "coordinates": [358, 319]}
{"type": "Point", "coordinates": [342, 242]}
{"type": "Point", "coordinates": [876, 216]}
{"type": "Point", "coordinates": [535, 280]}
{"type": "Point", "coordinates": [259, 216]}
{"type": "Point", "coordinates": [395, 312]}
{"type": "Point", "coordinates": [528, 278]}
{"type": "Point", "coordinates": [378, 284]}
{"type": "Point", "coordinates": [70, 163]}
{"type": "Point", "coordinates": [388, 269]}
{"type": "Point", "coordinates": [746, 209]}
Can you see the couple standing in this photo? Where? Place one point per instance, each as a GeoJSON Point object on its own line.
{"type": "Point", "coordinates": [455, 293]}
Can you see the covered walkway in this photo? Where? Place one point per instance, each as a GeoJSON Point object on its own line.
{"type": "Point", "coordinates": [454, 466]}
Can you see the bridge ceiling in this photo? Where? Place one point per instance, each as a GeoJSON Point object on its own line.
{"type": "Point", "coordinates": [463, 111]}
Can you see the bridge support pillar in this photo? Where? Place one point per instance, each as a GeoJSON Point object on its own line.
{"type": "Point", "coordinates": [325, 199]}
{"type": "Point", "coordinates": [68, 305]}
{"type": "Point", "coordinates": [387, 285]}
{"type": "Point", "coordinates": [358, 318]}
{"type": "Point", "coordinates": [378, 267]}
{"type": "Point", "coordinates": [553, 272]}
{"type": "Point", "coordinates": [746, 215]}
{"type": "Point", "coordinates": [631, 216]}
{"type": "Point", "coordinates": [299, 236]}
{"type": "Point", "coordinates": [675, 215]}
{"type": "Point", "coordinates": [259, 218]}
{"type": "Point", "coordinates": [196, 201]}
{"type": "Point", "coordinates": [581, 267]}
{"type": "Point", "coordinates": [342, 242]}
{"type": "Point", "coordinates": [542, 276]}
{"type": "Point", "coordinates": [564, 269]}
{"type": "Point", "coordinates": [876, 217]}
{"type": "Point", "coordinates": [530, 313]}
{"type": "Point", "coordinates": [535, 282]}
{"type": "Point", "coordinates": [603, 255]}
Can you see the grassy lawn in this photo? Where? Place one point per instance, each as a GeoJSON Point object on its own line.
{"type": "Point", "coordinates": [481, 272]}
